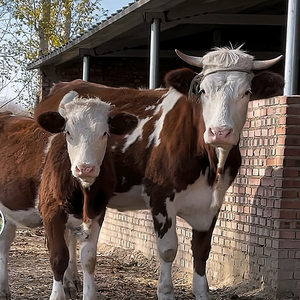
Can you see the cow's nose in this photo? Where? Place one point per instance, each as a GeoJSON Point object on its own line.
{"type": "Point", "coordinates": [84, 170]}
{"type": "Point", "coordinates": [220, 134]}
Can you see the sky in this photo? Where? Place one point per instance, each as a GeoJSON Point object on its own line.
{"type": "Point", "coordinates": [113, 5]}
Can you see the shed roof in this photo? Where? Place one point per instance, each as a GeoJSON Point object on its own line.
{"type": "Point", "coordinates": [126, 33]}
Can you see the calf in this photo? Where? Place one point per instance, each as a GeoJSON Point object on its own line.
{"type": "Point", "coordinates": [71, 174]}
{"type": "Point", "coordinates": [184, 153]}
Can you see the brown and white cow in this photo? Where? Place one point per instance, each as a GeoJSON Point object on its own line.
{"type": "Point", "coordinates": [184, 153]}
{"type": "Point", "coordinates": [71, 174]}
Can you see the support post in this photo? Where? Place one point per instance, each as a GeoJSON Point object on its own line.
{"type": "Point", "coordinates": [86, 68]}
{"type": "Point", "coordinates": [154, 54]}
{"type": "Point", "coordinates": [292, 48]}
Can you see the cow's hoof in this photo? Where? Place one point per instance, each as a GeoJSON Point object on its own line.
{"type": "Point", "coordinates": [166, 296]}
{"type": "Point", "coordinates": [204, 296]}
{"type": "Point", "coordinates": [72, 288]}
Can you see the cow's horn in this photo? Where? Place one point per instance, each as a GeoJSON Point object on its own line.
{"type": "Point", "coordinates": [192, 60]}
{"type": "Point", "coordinates": [264, 64]}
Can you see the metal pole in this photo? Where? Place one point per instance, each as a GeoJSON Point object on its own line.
{"type": "Point", "coordinates": [292, 48]}
{"type": "Point", "coordinates": [86, 68]}
{"type": "Point", "coordinates": [154, 54]}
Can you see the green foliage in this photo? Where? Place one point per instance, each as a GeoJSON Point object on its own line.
{"type": "Point", "coordinates": [55, 21]}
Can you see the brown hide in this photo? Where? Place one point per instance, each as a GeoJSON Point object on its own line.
{"type": "Point", "coordinates": [267, 84]}
{"type": "Point", "coordinates": [22, 144]}
{"type": "Point", "coordinates": [61, 193]}
{"type": "Point", "coordinates": [126, 98]}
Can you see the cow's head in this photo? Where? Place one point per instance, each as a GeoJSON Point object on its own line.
{"type": "Point", "coordinates": [87, 126]}
{"type": "Point", "coordinates": [224, 89]}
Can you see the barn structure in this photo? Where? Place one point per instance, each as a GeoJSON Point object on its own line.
{"type": "Point", "coordinates": [257, 237]}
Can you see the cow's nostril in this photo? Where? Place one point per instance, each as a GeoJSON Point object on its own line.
{"type": "Point", "coordinates": [229, 132]}
{"type": "Point", "coordinates": [84, 170]}
{"type": "Point", "coordinates": [211, 132]}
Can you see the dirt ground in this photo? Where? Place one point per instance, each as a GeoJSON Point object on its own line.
{"type": "Point", "coordinates": [120, 274]}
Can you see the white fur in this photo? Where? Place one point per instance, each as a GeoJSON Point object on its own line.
{"type": "Point", "coordinates": [88, 250]}
{"type": "Point", "coordinates": [86, 133]}
{"type": "Point", "coordinates": [2, 221]}
{"type": "Point", "coordinates": [6, 238]}
{"type": "Point", "coordinates": [135, 135]}
{"type": "Point", "coordinates": [22, 218]}
{"type": "Point", "coordinates": [57, 291]}
{"type": "Point", "coordinates": [225, 103]}
{"type": "Point", "coordinates": [200, 287]}
{"type": "Point", "coordinates": [171, 98]}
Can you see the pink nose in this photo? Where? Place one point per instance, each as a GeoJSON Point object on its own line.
{"type": "Point", "coordinates": [220, 134]}
{"type": "Point", "coordinates": [84, 170]}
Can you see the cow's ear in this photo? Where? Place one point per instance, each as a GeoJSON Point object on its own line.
{"type": "Point", "coordinates": [267, 84]}
{"type": "Point", "coordinates": [122, 123]}
{"type": "Point", "coordinates": [180, 79]}
{"type": "Point", "coordinates": [52, 121]}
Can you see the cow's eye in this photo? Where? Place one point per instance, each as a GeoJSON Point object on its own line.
{"type": "Point", "coordinates": [105, 134]}
{"type": "Point", "coordinates": [67, 132]}
{"type": "Point", "coordinates": [248, 92]}
{"type": "Point", "coordinates": [202, 91]}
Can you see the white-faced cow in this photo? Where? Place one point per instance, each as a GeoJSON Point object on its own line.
{"type": "Point", "coordinates": [184, 153]}
{"type": "Point", "coordinates": [71, 174]}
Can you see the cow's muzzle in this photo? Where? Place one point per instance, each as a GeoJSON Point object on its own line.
{"type": "Point", "coordinates": [220, 135]}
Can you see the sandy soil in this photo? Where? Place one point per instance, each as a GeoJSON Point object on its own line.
{"type": "Point", "coordinates": [120, 274]}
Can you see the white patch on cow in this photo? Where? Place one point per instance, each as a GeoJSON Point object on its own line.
{"type": "Point", "coordinates": [2, 221]}
{"type": "Point", "coordinates": [49, 143]}
{"type": "Point", "coordinates": [6, 238]}
{"type": "Point", "coordinates": [167, 249]}
{"type": "Point", "coordinates": [194, 203]}
{"type": "Point", "coordinates": [165, 286]}
{"type": "Point", "coordinates": [170, 99]}
{"type": "Point", "coordinates": [161, 219]}
{"type": "Point", "coordinates": [200, 287]}
{"type": "Point", "coordinates": [78, 228]}
{"type": "Point", "coordinates": [134, 199]}
{"type": "Point", "coordinates": [57, 291]}
{"type": "Point", "coordinates": [136, 134]}
{"type": "Point", "coordinates": [150, 107]}
{"type": "Point", "coordinates": [88, 249]}
{"type": "Point", "coordinates": [168, 243]}
{"type": "Point", "coordinates": [22, 218]}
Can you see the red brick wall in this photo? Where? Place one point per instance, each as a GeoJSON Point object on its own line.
{"type": "Point", "coordinates": [257, 236]}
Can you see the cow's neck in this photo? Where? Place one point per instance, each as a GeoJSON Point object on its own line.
{"type": "Point", "coordinates": [222, 155]}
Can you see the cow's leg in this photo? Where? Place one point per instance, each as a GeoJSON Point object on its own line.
{"type": "Point", "coordinates": [6, 238]}
{"type": "Point", "coordinates": [201, 245]}
{"type": "Point", "coordinates": [167, 244]}
{"type": "Point", "coordinates": [71, 282]}
{"type": "Point", "coordinates": [88, 252]}
{"type": "Point", "coordinates": [59, 254]}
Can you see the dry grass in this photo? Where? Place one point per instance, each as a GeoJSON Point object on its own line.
{"type": "Point", "coordinates": [120, 274]}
